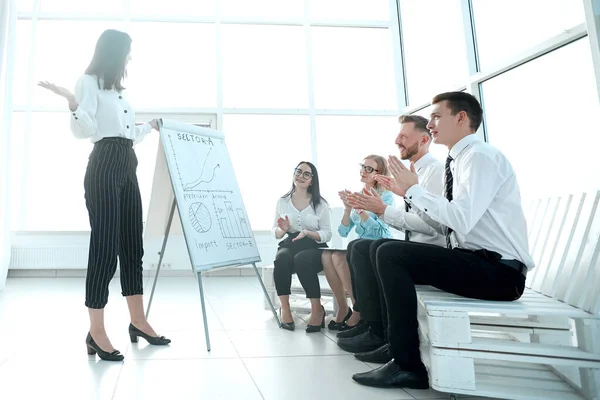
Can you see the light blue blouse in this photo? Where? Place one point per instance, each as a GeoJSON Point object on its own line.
{"type": "Point", "coordinates": [373, 228]}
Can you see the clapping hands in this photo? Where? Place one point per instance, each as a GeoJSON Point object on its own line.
{"type": "Point", "coordinates": [283, 223]}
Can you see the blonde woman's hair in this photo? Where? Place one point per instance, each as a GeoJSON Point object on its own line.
{"type": "Point", "coordinates": [382, 168]}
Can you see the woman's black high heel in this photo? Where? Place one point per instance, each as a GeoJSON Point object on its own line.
{"type": "Point", "coordinates": [288, 326]}
{"type": "Point", "coordinates": [134, 333]}
{"type": "Point", "coordinates": [317, 328]}
{"type": "Point", "coordinates": [336, 326]}
{"type": "Point", "coordinates": [93, 348]}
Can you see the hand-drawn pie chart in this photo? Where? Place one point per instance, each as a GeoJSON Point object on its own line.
{"type": "Point", "coordinates": [200, 217]}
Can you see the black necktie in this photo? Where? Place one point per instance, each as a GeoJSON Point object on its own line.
{"type": "Point", "coordinates": [406, 232]}
{"type": "Point", "coordinates": [448, 181]}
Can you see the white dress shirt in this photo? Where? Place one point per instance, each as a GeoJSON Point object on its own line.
{"type": "Point", "coordinates": [317, 221]}
{"type": "Point", "coordinates": [431, 176]}
{"type": "Point", "coordinates": [103, 113]}
{"type": "Point", "coordinates": [486, 211]}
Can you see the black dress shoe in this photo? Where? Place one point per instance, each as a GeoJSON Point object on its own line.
{"type": "Point", "coordinates": [382, 355]}
{"type": "Point", "coordinates": [391, 375]}
{"type": "Point", "coordinates": [355, 330]}
{"type": "Point", "coordinates": [317, 328]}
{"type": "Point", "coordinates": [93, 348]}
{"type": "Point", "coordinates": [288, 326]}
{"type": "Point", "coordinates": [336, 326]}
{"type": "Point", "coordinates": [366, 341]}
{"type": "Point", "coordinates": [134, 333]}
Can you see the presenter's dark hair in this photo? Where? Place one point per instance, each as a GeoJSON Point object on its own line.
{"type": "Point", "coordinates": [313, 189]}
{"type": "Point", "coordinates": [110, 59]}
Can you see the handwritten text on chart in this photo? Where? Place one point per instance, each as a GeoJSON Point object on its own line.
{"type": "Point", "coordinates": [194, 196]}
{"type": "Point", "coordinates": [186, 137]}
{"type": "Point", "coordinates": [206, 245]}
{"type": "Point", "coordinates": [239, 244]}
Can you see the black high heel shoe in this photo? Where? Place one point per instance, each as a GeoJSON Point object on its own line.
{"type": "Point", "coordinates": [317, 328]}
{"type": "Point", "coordinates": [288, 326]}
{"type": "Point", "coordinates": [93, 348]}
{"type": "Point", "coordinates": [336, 326]}
{"type": "Point", "coordinates": [134, 333]}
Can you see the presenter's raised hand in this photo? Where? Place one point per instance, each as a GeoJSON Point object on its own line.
{"type": "Point", "coordinates": [59, 90]}
{"type": "Point", "coordinates": [283, 223]}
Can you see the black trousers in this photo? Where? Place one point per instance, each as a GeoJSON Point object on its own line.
{"type": "Point", "coordinates": [114, 204]}
{"type": "Point", "coordinates": [402, 265]}
{"type": "Point", "coordinates": [356, 306]}
{"type": "Point", "coordinates": [368, 283]}
{"type": "Point", "coordinates": [303, 258]}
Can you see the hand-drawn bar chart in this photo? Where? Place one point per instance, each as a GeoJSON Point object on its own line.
{"type": "Point", "coordinates": [234, 224]}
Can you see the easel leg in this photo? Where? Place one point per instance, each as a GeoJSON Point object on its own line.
{"type": "Point", "coordinates": [203, 311]}
{"type": "Point", "coordinates": [266, 295]}
{"type": "Point", "coordinates": [161, 254]}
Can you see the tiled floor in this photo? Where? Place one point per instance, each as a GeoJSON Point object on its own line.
{"type": "Point", "coordinates": [43, 324]}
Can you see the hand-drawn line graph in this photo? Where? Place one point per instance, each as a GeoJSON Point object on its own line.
{"type": "Point", "coordinates": [200, 217]}
{"type": "Point", "coordinates": [233, 222]}
{"type": "Point", "coordinates": [193, 185]}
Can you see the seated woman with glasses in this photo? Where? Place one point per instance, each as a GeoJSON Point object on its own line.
{"type": "Point", "coordinates": [304, 216]}
{"type": "Point", "coordinates": [368, 226]}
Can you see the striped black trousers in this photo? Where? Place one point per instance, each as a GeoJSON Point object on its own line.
{"type": "Point", "coordinates": [114, 204]}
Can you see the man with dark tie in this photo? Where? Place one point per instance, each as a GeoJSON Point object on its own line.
{"type": "Point", "coordinates": [368, 339]}
{"type": "Point", "coordinates": [482, 218]}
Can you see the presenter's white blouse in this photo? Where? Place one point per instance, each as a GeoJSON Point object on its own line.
{"type": "Point", "coordinates": [103, 113]}
{"type": "Point", "coordinates": [318, 220]}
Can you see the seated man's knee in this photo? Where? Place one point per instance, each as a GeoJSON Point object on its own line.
{"type": "Point", "coordinates": [387, 251]}
{"type": "Point", "coordinates": [362, 246]}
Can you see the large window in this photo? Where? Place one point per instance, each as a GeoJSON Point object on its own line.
{"type": "Point", "coordinates": [270, 71]}
{"type": "Point", "coordinates": [22, 54]}
{"type": "Point", "coordinates": [166, 72]}
{"type": "Point", "coordinates": [262, 8]}
{"type": "Point", "coordinates": [264, 66]}
{"type": "Point", "coordinates": [434, 47]}
{"type": "Point", "coordinates": [353, 68]}
{"type": "Point", "coordinates": [69, 6]}
{"type": "Point", "coordinates": [350, 9]}
{"type": "Point", "coordinates": [539, 116]}
{"type": "Point", "coordinates": [290, 80]}
{"type": "Point", "coordinates": [173, 8]}
{"type": "Point", "coordinates": [342, 144]}
{"type": "Point", "coordinates": [264, 150]}
{"type": "Point", "coordinates": [18, 162]}
{"type": "Point", "coordinates": [56, 163]}
{"type": "Point", "coordinates": [531, 23]}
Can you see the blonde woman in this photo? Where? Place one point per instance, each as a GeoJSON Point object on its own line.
{"type": "Point", "coordinates": [368, 226]}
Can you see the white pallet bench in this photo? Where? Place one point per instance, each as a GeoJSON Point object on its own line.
{"type": "Point", "coordinates": [546, 344]}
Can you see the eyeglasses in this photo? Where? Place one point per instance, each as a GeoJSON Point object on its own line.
{"type": "Point", "coordinates": [305, 174]}
{"type": "Point", "coordinates": [367, 169]}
